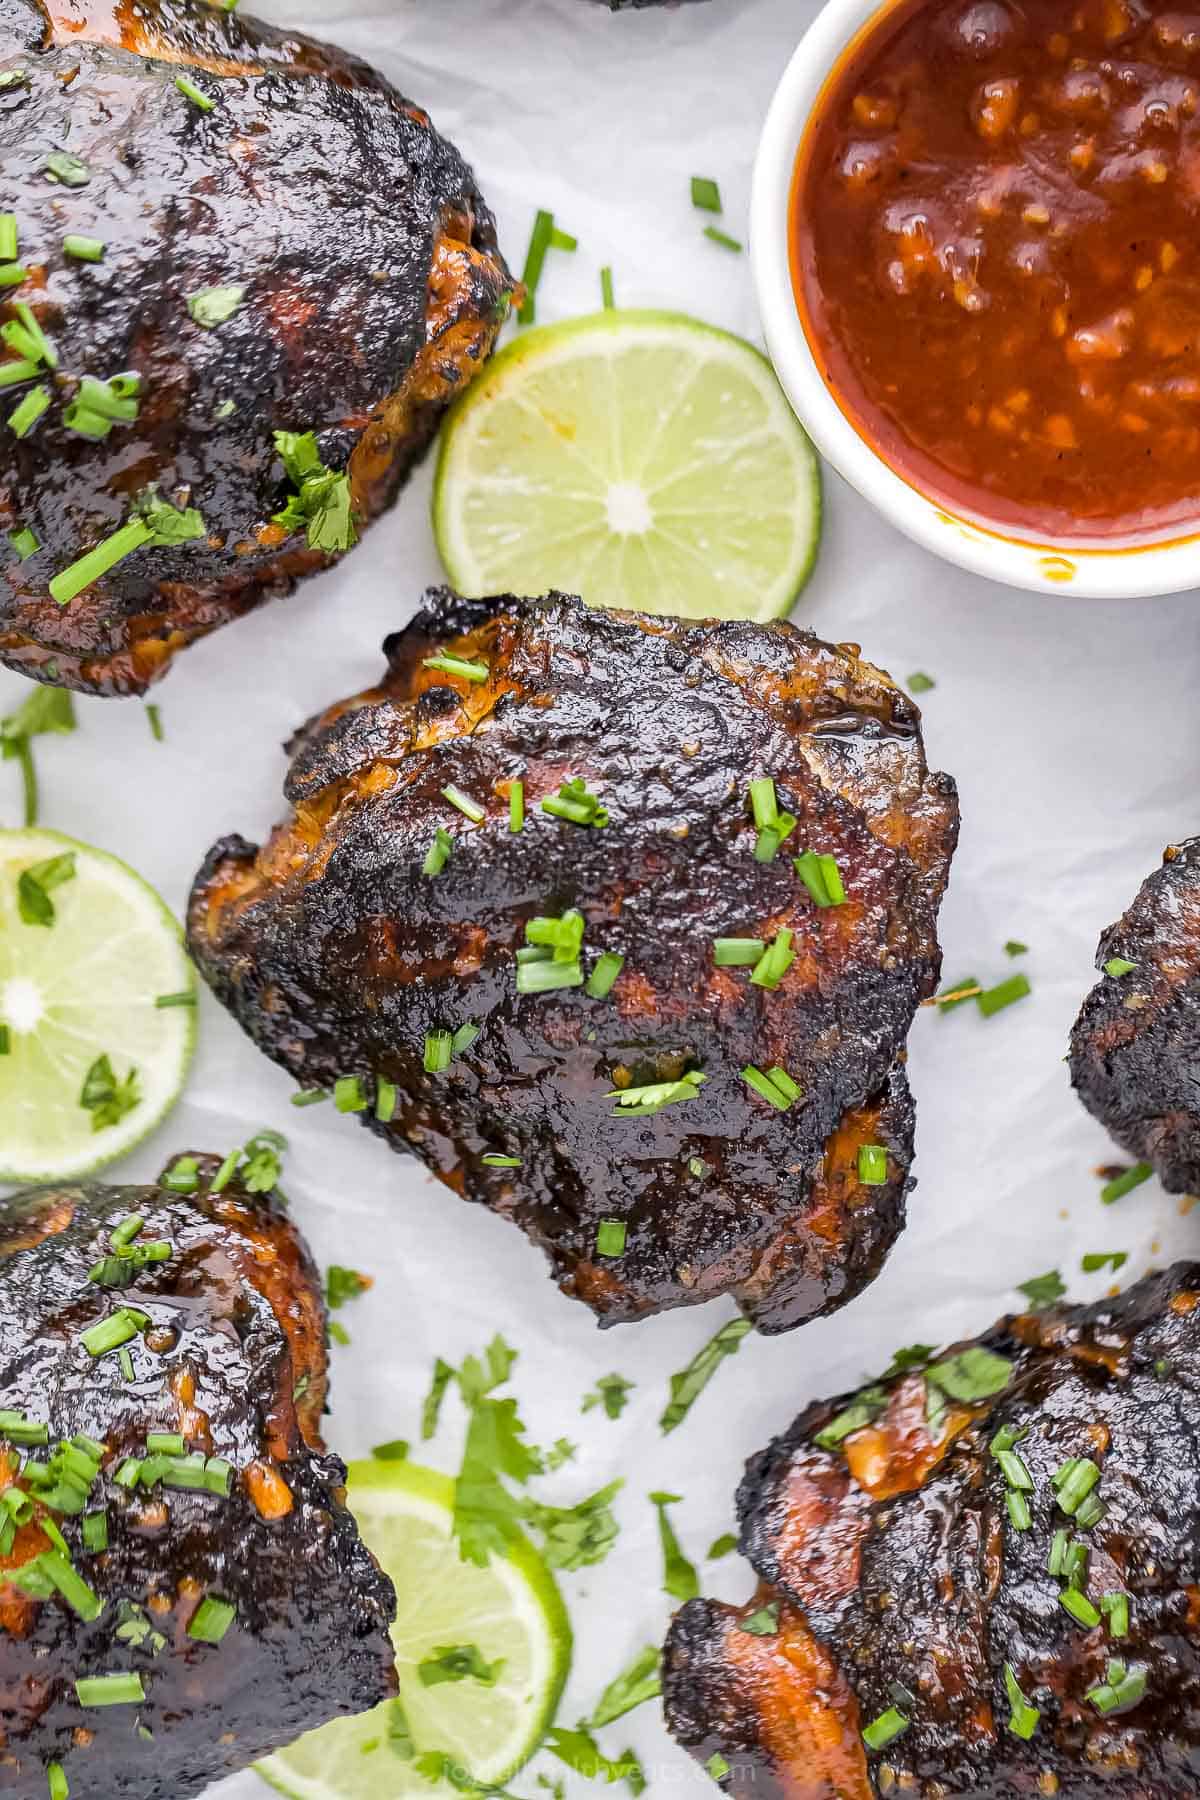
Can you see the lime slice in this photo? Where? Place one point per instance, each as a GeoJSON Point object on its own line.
{"type": "Point", "coordinates": [639, 459]}
{"type": "Point", "coordinates": [77, 989]}
{"type": "Point", "coordinates": [510, 1610]}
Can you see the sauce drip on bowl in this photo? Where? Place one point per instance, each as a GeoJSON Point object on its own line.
{"type": "Point", "coordinates": [996, 254]}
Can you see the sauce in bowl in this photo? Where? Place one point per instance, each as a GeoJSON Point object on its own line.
{"type": "Point", "coordinates": [995, 242]}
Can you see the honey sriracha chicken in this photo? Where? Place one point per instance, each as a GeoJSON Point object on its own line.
{"type": "Point", "coordinates": [181, 1585]}
{"type": "Point", "coordinates": [977, 1576]}
{"type": "Point", "coordinates": [617, 923]}
{"type": "Point", "coordinates": [240, 280]}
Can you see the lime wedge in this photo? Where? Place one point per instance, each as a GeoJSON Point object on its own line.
{"type": "Point", "coordinates": [511, 1611]}
{"type": "Point", "coordinates": [81, 987]}
{"type": "Point", "coordinates": [639, 459]}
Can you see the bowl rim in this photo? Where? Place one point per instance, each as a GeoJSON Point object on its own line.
{"type": "Point", "coordinates": [1062, 566]}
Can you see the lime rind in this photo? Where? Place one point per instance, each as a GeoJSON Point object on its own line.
{"type": "Point", "coordinates": [95, 973]}
{"type": "Point", "coordinates": [643, 459]}
{"type": "Point", "coordinates": [513, 1608]}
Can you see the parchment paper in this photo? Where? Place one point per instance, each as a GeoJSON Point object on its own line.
{"type": "Point", "coordinates": [1070, 726]}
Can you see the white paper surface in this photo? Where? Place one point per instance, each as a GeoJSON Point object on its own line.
{"type": "Point", "coordinates": [1070, 726]}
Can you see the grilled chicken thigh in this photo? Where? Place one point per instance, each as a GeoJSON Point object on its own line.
{"type": "Point", "coordinates": [541, 1014]}
{"type": "Point", "coordinates": [288, 247]}
{"type": "Point", "coordinates": [980, 1578]}
{"type": "Point", "coordinates": [214, 1599]}
{"type": "Point", "coordinates": [1135, 1049]}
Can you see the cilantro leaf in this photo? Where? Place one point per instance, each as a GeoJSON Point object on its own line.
{"type": "Point", "coordinates": [1115, 1259]}
{"type": "Point", "coordinates": [721, 1546]}
{"type": "Point", "coordinates": [443, 1375]}
{"type": "Point", "coordinates": [1042, 1290]}
{"type": "Point", "coordinates": [475, 1378]}
{"type": "Point", "coordinates": [690, 1382]}
{"type": "Point", "coordinates": [486, 1515]}
{"type": "Point", "coordinates": [679, 1576]}
{"type": "Point", "coordinates": [971, 1375]}
{"type": "Point", "coordinates": [632, 1687]}
{"type": "Point", "coordinates": [576, 1535]}
{"type": "Point", "coordinates": [612, 1393]}
{"type": "Point", "coordinates": [458, 1662]}
{"type": "Point", "coordinates": [107, 1099]}
{"type": "Point", "coordinates": [322, 502]}
{"type": "Point", "coordinates": [342, 1285]}
{"type": "Point", "coordinates": [911, 1356]}
{"type": "Point", "coordinates": [47, 709]}
{"type": "Point", "coordinates": [580, 1751]}
{"type": "Point", "coordinates": [34, 886]}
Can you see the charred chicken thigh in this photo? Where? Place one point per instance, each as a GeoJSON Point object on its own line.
{"type": "Point", "coordinates": [243, 279]}
{"type": "Point", "coordinates": [533, 920]}
{"type": "Point", "coordinates": [1135, 1049]}
{"type": "Point", "coordinates": [162, 1377]}
{"type": "Point", "coordinates": [978, 1577]}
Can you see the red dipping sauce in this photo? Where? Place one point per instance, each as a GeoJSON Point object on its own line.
{"type": "Point", "coordinates": [996, 255]}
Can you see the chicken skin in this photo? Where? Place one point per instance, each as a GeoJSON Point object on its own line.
{"type": "Point", "coordinates": [979, 1576]}
{"type": "Point", "coordinates": [213, 1599]}
{"type": "Point", "coordinates": [495, 925]}
{"type": "Point", "coordinates": [247, 279]}
{"type": "Point", "coordinates": [1135, 1048]}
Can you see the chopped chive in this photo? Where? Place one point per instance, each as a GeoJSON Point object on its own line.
{"type": "Point", "coordinates": [780, 1093]}
{"type": "Point", "coordinates": [1079, 1607]}
{"type": "Point", "coordinates": [763, 805]}
{"type": "Point", "coordinates": [574, 802]}
{"type": "Point", "coordinates": [166, 1443]}
{"type": "Point", "coordinates": [606, 290]}
{"type": "Point", "coordinates": [610, 1237]}
{"type": "Point", "coordinates": [469, 808]}
{"type": "Point", "coordinates": [774, 962]}
{"type": "Point", "coordinates": [438, 854]}
{"type": "Point", "coordinates": [101, 397]}
{"type": "Point", "coordinates": [25, 415]}
{"type": "Point", "coordinates": [1116, 966]}
{"type": "Point", "coordinates": [600, 982]}
{"type": "Point", "coordinates": [822, 878]}
{"type": "Point", "coordinates": [84, 249]}
{"type": "Point", "coordinates": [994, 1000]}
{"type": "Point", "coordinates": [872, 1165]}
{"type": "Point", "coordinates": [109, 1690]}
{"type": "Point", "coordinates": [535, 258]}
{"type": "Point", "coordinates": [125, 1362]}
{"type": "Point", "coordinates": [735, 952]}
{"type": "Point", "coordinates": [1115, 1607]}
{"type": "Point", "coordinates": [1023, 1721]}
{"type": "Point", "coordinates": [1124, 1184]}
{"type": "Point", "coordinates": [110, 1333]}
{"type": "Point", "coordinates": [562, 240]}
{"type": "Point", "coordinates": [13, 274]}
{"type": "Point", "coordinates": [185, 997]}
{"type": "Point", "coordinates": [463, 1038]}
{"type": "Point", "coordinates": [196, 95]}
{"type": "Point", "coordinates": [516, 806]}
{"type": "Point", "coordinates": [32, 332]}
{"type": "Point", "coordinates": [94, 1526]}
{"type": "Point", "coordinates": [766, 845]}
{"type": "Point", "coordinates": [1090, 1513]}
{"type": "Point", "coordinates": [83, 423]}
{"type": "Point", "coordinates": [8, 237]}
{"type": "Point", "coordinates": [5, 1041]}
{"type": "Point", "coordinates": [13, 372]}
{"type": "Point", "coordinates": [23, 543]}
{"type": "Point", "coordinates": [493, 1160]}
{"type": "Point", "coordinates": [97, 562]}
{"type": "Point", "coordinates": [1057, 1561]}
{"type": "Point", "coordinates": [20, 1429]}
{"type": "Point", "coordinates": [542, 976]}
{"type": "Point", "coordinates": [1018, 1510]}
{"type": "Point", "coordinates": [385, 1100]}
{"type": "Point", "coordinates": [438, 1052]}
{"type": "Point", "coordinates": [706, 195]}
{"type": "Point", "coordinates": [309, 1096]}
{"type": "Point", "coordinates": [71, 170]}
{"type": "Point", "coordinates": [885, 1729]}
{"type": "Point", "coordinates": [70, 1584]}
{"type": "Point", "coordinates": [717, 1766]}
{"type": "Point", "coordinates": [1015, 1470]}
{"type": "Point", "coordinates": [458, 665]}
{"type": "Point", "coordinates": [56, 1779]}
{"type": "Point", "coordinates": [349, 1095]}
{"type": "Point", "coordinates": [722, 237]}
{"type": "Point", "coordinates": [131, 1225]}
{"type": "Point", "coordinates": [1123, 1689]}
{"type": "Point", "coordinates": [919, 682]}
{"type": "Point", "coordinates": [211, 1620]}
{"type": "Point", "coordinates": [183, 1176]}
{"type": "Point", "coordinates": [832, 877]}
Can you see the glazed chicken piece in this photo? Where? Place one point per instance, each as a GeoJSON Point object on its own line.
{"type": "Point", "coordinates": [214, 1599]}
{"type": "Point", "coordinates": [1135, 1048]}
{"type": "Point", "coordinates": [539, 1013]}
{"type": "Point", "coordinates": [288, 246]}
{"type": "Point", "coordinates": [977, 1578]}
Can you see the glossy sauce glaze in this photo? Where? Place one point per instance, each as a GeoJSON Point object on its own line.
{"type": "Point", "coordinates": [994, 248]}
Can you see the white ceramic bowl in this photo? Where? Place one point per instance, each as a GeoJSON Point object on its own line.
{"type": "Point", "coordinates": [1106, 569]}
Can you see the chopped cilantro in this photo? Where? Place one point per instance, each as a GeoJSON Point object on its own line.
{"type": "Point", "coordinates": [680, 1580]}
{"type": "Point", "coordinates": [689, 1383]}
{"type": "Point", "coordinates": [1043, 1290]}
{"type": "Point", "coordinates": [612, 1393]}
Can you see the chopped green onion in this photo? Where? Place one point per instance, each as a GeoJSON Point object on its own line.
{"type": "Point", "coordinates": [1116, 966]}
{"type": "Point", "coordinates": [872, 1165]}
{"type": "Point", "coordinates": [348, 1094]}
{"type": "Point", "coordinates": [18, 1428]}
{"type": "Point", "coordinates": [610, 1237]}
{"type": "Point", "coordinates": [735, 953]}
{"type": "Point", "coordinates": [385, 1100]}
{"type": "Point", "coordinates": [458, 665]}
{"type": "Point", "coordinates": [766, 846]}
{"type": "Point", "coordinates": [563, 937]}
{"type": "Point", "coordinates": [562, 240]}
{"type": "Point", "coordinates": [1090, 1513]}
{"type": "Point", "coordinates": [574, 802]}
{"type": "Point", "coordinates": [110, 1333]}
{"type": "Point", "coordinates": [1074, 1481]}
{"type": "Point", "coordinates": [774, 962]}
{"type": "Point", "coordinates": [994, 1000]}
{"type": "Point", "coordinates": [706, 195]}
{"type": "Point", "coordinates": [13, 372]}
{"type": "Point", "coordinates": [540, 977]}
{"type": "Point", "coordinates": [1124, 1184]}
{"type": "Point", "coordinates": [101, 397]}
{"type": "Point", "coordinates": [166, 1443]}
{"type": "Point", "coordinates": [763, 805]}
{"type": "Point", "coordinates": [438, 854]}
{"type": "Point", "coordinates": [29, 331]}
{"type": "Point", "coordinates": [1079, 1607]}
{"type": "Point", "coordinates": [156, 521]}
{"type": "Point", "coordinates": [822, 877]}
{"type": "Point", "coordinates": [885, 1729]}
{"type": "Point", "coordinates": [1015, 1470]}
{"type": "Point", "coordinates": [94, 1526]}
{"type": "Point", "coordinates": [469, 808]}
{"type": "Point", "coordinates": [863, 1409]}
{"type": "Point", "coordinates": [56, 1779]}
{"type": "Point", "coordinates": [1122, 1689]}
{"type": "Point", "coordinates": [1024, 1718]}
{"type": "Point", "coordinates": [652, 1097]}
{"type": "Point", "coordinates": [1018, 1510]}
{"type": "Point", "coordinates": [516, 806]}
{"type": "Point", "coordinates": [86, 424]}
{"type": "Point", "coordinates": [463, 1038]}
{"type": "Point", "coordinates": [1099, 1259]}
{"type": "Point", "coordinates": [183, 1176]}
{"type": "Point", "coordinates": [780, 1093]}
{"type": "Point", "coordinates": [1115, 1607]}
{"type": "Point", "coordinates": [722, 237]}
{"type": "Point", "coordinates": [1057, 1561]}
{"type": "Point", "coordinates": [308, 1096]}
{"type": "Point", "coordinates": [919, 682]}
{"type": "Point", "coordinates": [438, 1051]}
{"type": "Point", "coordinates": [71, 170]}
{"type": "Point", "coordinates": [23, 543]}
{"type": "Point", "coordinates": [196, 95]}
{"type": "Point", "coordinates": [185, 997]}
{"type": "Point", "coordinates": [213, 306]}
{"type": "Point", "coordinates": [70, 1584]}
{"type": "Point", "coordinates": [84, 249]}
{"type": "Point", "coordinates": [494, 1160]}
{"type": "Point", "coordinates": [211, 1620]}
{"type": "Point", "coordinates": [109, 1690]}
{"type": "Point", "coordinates": [606, 290]}
{"type": "Point", "coordinates": [717, 1767]}
{"type": "Point", "coordinates": [13, 274]}
{"type": "Point", "coordinates": [535, 258]}
{"type": "Point", "coordinates": [25, 415]}
{"type": "Point", "coordinates": [125, 1361]}
{"type": "Point", "coordinates": [5, 1041]}
{"type": "Point", "coordinates": [600, 982]}
{"type": "Point", "coordinates": [8, 237]}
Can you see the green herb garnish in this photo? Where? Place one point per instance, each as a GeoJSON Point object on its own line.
{"type": "Point", "coordinates": [680, 1580]}
{"type": "Point", "coordinates": [995, 999]}
{"type": "Point", "coordinates": [211, 1620]}
{"type": "Point", "coordinates": [885, 1729]}
{"type": "Point", "coordinates": [632, 1687]}
{"type": "Point", "coordinates": [1023, 1719]}
{"type": "Point", "coordinates": [107, 1098]}
{"type": "Point", "coordinates": [610, 1237]}
{"type": "Point", "coordinates": [1043, 1290]}
{"type": "Point", "coordinates": [821, 877]}
{"type": "Point", "coordinates": [706, 195]}
{"type": "Point", "coordinates": [155, 522]}
{"type": "Point", "coordinates": [1116, 966]}
{"type": "Point", "coordinates": [457, 665]}
{"type": "Point", "coordinates": [196, 95]}
{"type": "Point", "coordinates": [773, 1085]}
{"type": "Point", "coordinates": [612, 1393]}
{"type": "Point", "coordinates": [689, 1383]}
{"type": "Point", "coordinates": [722, 237]}
{"type": "Point", "coordinates": [214, 305]}
{"type": "Point", "coordinates": [458, 1662]}
{"type": "Point", "coordinates": [654, 1095]}
{"type": "Point", "coordinates": [321, 501]}
{"type": "Point", "coordinates": [1124, 1184]}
